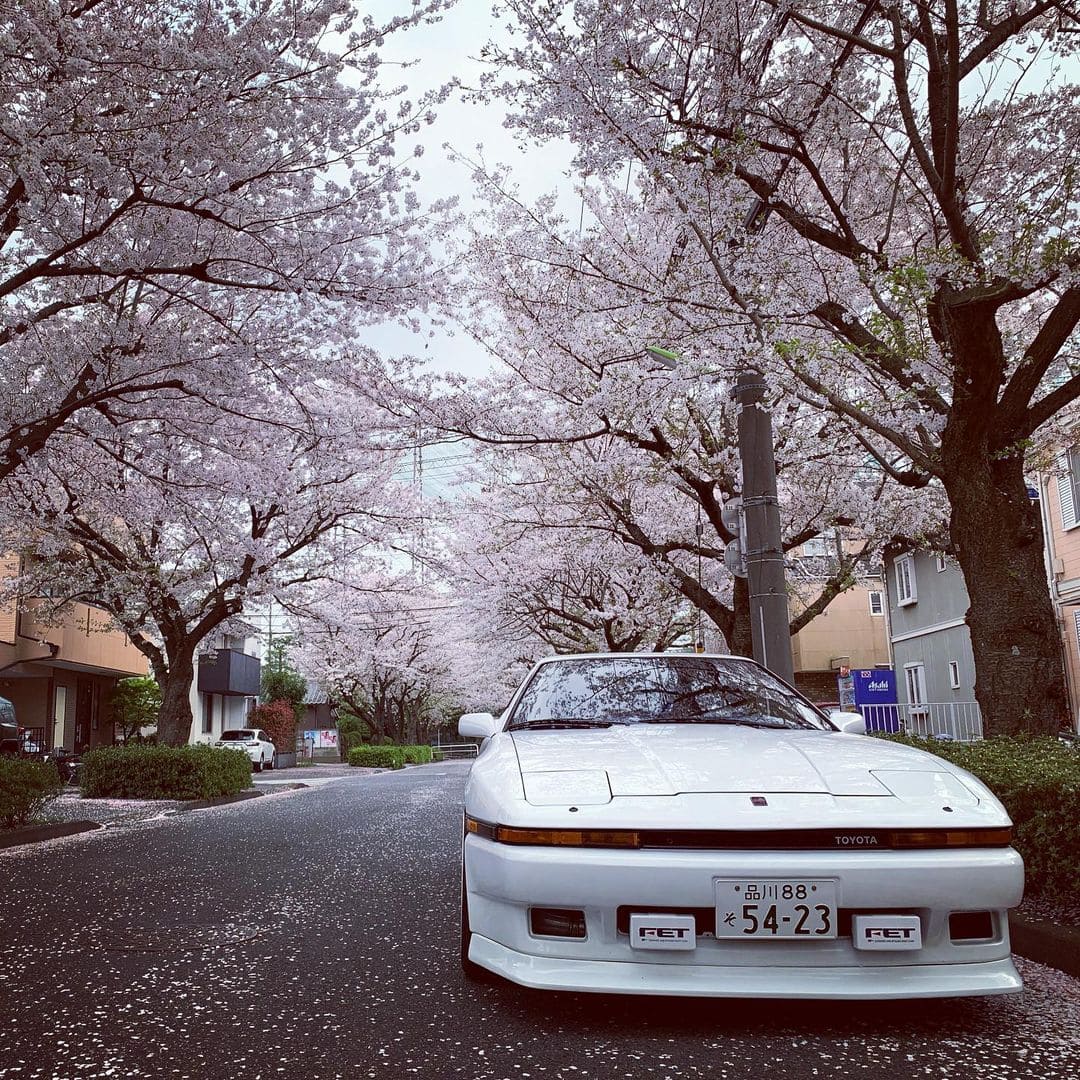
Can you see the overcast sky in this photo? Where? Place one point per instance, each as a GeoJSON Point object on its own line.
{"type": "Point", "coordinates": [443, 52]}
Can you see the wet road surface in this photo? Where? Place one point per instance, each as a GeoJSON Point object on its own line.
{"type": "Point", "coordinates": [313, 934]}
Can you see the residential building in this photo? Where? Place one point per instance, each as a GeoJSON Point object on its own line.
{"type": "Point", "coordinates": [58, 668]}
{"type": "Point", "coordinates": [1059, 491]}
{"type": "Point", "coordinates": [228, 673]}
{"type": "Point", "coordinates": [851, 632]}
{"type": "Point", "coordinates": [319, 726]}
{"type": "Point", "coordinates": [931, 644]}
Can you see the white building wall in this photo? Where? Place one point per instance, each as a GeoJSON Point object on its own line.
{"type": "Point", "coordinates": [214, 713]}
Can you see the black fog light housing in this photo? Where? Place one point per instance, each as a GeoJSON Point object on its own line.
{"type": "Point", "coordinates": [971, 926]}
{"type": "Point", "coordinates": [557, 922]}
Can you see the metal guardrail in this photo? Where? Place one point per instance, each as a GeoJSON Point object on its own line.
{"type": "Point", "coordinates": [959, 721]}
{"type": "Point", "coordinates": [442, 751]}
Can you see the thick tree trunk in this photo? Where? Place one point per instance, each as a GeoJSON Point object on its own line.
{"type": "Point", "coordinates": [1015, 639]}
{"type": "Point", "coordinates": [175, 717]}
{"type": "Point", "coordinates": [739, 638]}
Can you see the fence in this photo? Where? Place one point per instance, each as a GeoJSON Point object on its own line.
{"type": "Point", "coordinates": [441, 751]}
{"type": "Point", "coordinates": [960, 721]}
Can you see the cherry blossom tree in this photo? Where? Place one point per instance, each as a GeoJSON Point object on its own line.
{"type": "Point", "coordinates": [531, 571]}
{"type": "Point", "coordinates": [393, 653]}
{"type": "Point", "coordinates": [174, 527]}
{"type": "Point", "coordinates": [886, 194]}
{"type": "Point", "coordinates": [582, 418]}
{"type": "Point", "coordinates": [164, 168]}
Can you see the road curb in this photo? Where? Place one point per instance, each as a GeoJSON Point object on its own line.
{"type": "Point", "coordinates": [1046, 943]}
{"type": "Point", "coordinates": [220, 800]}
{"type": "Point", "coordinates": [35, 834]}
{"type": "Point", "coordinates": [242, 796]}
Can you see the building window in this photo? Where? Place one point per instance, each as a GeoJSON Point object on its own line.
{"type": "Point", "coordinates": [877, 603]}
{"type": "Point", "coordinates": [208, 714]}
{"type": "Point", "coordinates": [817, 546]}
{"type": "Point", "coordinates": [954, 674]}
{"type": "Point", "coordinates": [1068, 488]}
{"type": "Point", "coordinates": [915, 680]}
{"type": "Point", "coordinates": [906, 593]}
{"type": "Point", "coordinates": [941, 563]}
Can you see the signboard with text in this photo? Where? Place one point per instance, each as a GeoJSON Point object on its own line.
{"type": "Point", "coordinates": [875, 697]}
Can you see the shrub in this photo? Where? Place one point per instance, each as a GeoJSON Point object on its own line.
{"type": "Point", "coordinates": [377, 757]}
{"type": "Point", "coordinates": [135, 704]}
{"type": "Point", "coordinates": [351, 731]}
{"type": "Point", "coordinates": [417, 755]}
{"type": "Point", "coordinates": [163, 772]}
{"type": "Point", "coordinates": [1038, 781]}
{"type": "Point", "coordinates": [25, 787]}
{"type": "Point", "coordinates": [278, 721]}
{"type": "Point", "coordinates": [282, 682]}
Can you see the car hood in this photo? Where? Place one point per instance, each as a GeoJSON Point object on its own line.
{"type": "Point", "coordinates": [676, 759]}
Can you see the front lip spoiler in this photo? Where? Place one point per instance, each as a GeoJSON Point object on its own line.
{"type": "Point", "coordinates": [989, 977]}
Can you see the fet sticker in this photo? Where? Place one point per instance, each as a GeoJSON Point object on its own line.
{"type": "Point", "coordinates": [662, 931]}
{"type": "Point", "coordinates": [886, 932]}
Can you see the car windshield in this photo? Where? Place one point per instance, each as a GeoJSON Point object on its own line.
{"type": "Point", "coordinates": [236, 736]}
{"type": "Point", "coordinates": [659, 689]}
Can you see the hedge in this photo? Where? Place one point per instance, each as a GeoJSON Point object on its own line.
{"type": "Point", "coordinates": [163, 772]}
{"type": "Point", "coordinates": [1038, 781]}
{"type": "Point", "coordinates": [278, 720]}
{"type": "Point", "coordinates": [25, 787]}
{"type": "Point", "coordinates": [377, 757]}
{"type": "Point", "coordinates": [389, 757]}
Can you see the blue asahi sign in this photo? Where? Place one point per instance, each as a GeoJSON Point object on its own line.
{"type": "Point", "coordinates": [875, 697]}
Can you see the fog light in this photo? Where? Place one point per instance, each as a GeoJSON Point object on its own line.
{"type": "Point", "coordinates": [557, 922]}
{"type": "Point", "coordinates": [971, 926]}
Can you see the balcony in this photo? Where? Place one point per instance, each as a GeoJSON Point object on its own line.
{"type": "Point", "coordinates": [229, 672]}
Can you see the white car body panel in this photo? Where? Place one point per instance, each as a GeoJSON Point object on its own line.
{"type": "Point", "coordinates": [703, 777]}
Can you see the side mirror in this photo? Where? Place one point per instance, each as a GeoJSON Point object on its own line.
{"type": "Point", "coordinates": [477, 725]}
{"type": "Point", "coordinates": [851, 723]}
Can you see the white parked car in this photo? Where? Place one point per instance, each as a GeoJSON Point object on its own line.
{"type": "Point", "coordinates": [681, 824]}
{"type": "Point", "coordinates": [254, 742]}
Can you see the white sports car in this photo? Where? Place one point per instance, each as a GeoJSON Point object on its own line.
{"type": "Point", "coordinates": [678, 824]}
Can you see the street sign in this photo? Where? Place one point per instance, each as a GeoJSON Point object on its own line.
{"type": "Point", "coordinates": [731, 516]}
{"type": "Point", "coordinates": [734, 559]}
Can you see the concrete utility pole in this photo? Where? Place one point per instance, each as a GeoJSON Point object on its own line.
{"type": "Point", "coordinates": [764, 551]}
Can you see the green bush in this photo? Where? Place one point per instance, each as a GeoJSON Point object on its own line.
{"type": "Point", "coordinates": [377, 757]}
{"type": "Point", "coordinates": [417, 755]}
{"type": "Point", "coordinates": [1038, 781]}
{"type": "Point", "coordinates": [25, 787]}
{"type": "Point", "coordinates": [163, 772]}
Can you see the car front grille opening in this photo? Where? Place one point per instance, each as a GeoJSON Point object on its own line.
{"type": "Point", "coordinates": [704, 917]}
{"type": "Point", "coordinates": [971, 926]}
{"type": "Point", "coordinates": [557, 922]}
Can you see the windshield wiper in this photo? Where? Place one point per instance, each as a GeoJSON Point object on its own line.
{"type": "Point", "coordinates": [563, 722]}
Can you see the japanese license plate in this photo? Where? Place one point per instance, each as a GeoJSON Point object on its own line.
{"type": "Point", "coordinates": [775, 908]}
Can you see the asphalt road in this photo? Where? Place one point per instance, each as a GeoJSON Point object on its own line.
{"type": "Point", "coordinates": [313, 934]}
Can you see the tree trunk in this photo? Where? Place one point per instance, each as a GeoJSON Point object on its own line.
{"type": "Point", "coordinates": [175, 717]}
{"type": "Point", "coordinates": [997, 534]}
{"type": "Point", "coordinates": [740, 639]}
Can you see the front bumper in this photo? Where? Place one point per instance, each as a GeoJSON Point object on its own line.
{"type": "Point", "coordinates": [681, 980]}
{"type": "Point", "coordinates": [505, 881]}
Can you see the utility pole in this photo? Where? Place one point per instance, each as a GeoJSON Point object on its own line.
{"type": "Point", "coordinates": [764, 551]}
